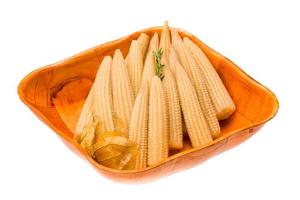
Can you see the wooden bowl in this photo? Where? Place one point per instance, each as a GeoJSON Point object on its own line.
{"type": "Point", "coordinates": [67, 83]}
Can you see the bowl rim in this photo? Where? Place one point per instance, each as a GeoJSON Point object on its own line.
{"type": "Point", "coordinates": [223, 138]}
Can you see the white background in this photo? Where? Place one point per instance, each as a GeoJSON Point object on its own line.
{"type": "Point", "coordinates": [262, 37]}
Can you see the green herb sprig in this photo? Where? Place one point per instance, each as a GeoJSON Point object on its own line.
{"type": "Point", "coordinates": [159, 66]}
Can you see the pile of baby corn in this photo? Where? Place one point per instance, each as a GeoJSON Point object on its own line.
{"type": "Point", "coordinates": [161, 86]}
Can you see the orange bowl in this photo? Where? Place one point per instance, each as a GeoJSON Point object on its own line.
{"type": "Point", "coordinates": [56, 92]}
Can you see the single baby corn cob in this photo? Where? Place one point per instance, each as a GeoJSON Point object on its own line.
{"type": "Point", "coordinates": [199, 82]}
{"type": "Point", "coordinates": [221, 99]}
{"type": "Point", "coordinates": [172, 55]}
{"type": "Point", "coordinates": [197, 128]}
{"type": "Point", "coordinates": [103, 98]}
{"type": "Point", "coordinates": [158, 123]}
{"type": "Point", "coordinates": [143, 41]}
{"type": "Point", "coordinates": [170, 88]}
{"type": "Point", "coordinates": [149, 66]}
{"type": "Point", "coordinates": [121, 89]}
{"type": "Point", "coordinates": [138, 131]}
{"type": "Point", "coordinates": [181, 53]}
{"type": "Point", "coordinates": [86, 114]}
{"type": "Point", "coordinates": [135, 66]}
{"type": "Point", "coordinates": [173, 109]}
{"type": "Point", "coordinates": [165, 43]}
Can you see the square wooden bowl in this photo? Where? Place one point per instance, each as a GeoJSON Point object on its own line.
{"type": "Point", "coordinates": [39, 90]}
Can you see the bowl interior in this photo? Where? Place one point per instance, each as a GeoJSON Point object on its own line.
{"type": "Point", "coordinates": [66, 84]}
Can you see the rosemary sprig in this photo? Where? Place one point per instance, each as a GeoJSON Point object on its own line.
{"type": "Point", "coordinates": [159, 66]}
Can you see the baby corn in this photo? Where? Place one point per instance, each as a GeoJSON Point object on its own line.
{"type": "Point", "coordinates": [172, 55]}
{"type": "Point", "coordinates": [221, 99]}
{"type": "Point", "coordinates": [170, 88]}
{"type": "Point", "coordinates": [173, 110]}
{"type": "Point", "coordinates": [86, 114]}
{"type": "Point", "coordinates": [103, 98]}
{"type": "Point", "coordinates": [164, 91]}
{"type": "Point", "coordinates": [199, 82]}
{"type": "Point", "coordinates": [149, 66]}
{"type": "Point", "coordinates": [158, 123]}
{"type": "Point", "coordinates": [181, 53]}
{"type": "Point", "coordinates": [197, 128]}
{"type": "Point", "coordinates": [138, 132]}
{"type": "Point", "coordinates": [135, 66]}
{"type": "Point", "coordinates": [121, 88]}
{"type": "Point", "coordinates": [143, 41]}
{"type": "Point", "coordinates": [165, 43]}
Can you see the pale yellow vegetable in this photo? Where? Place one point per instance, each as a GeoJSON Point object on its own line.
{"type": "Point", "coordinates": [103, 94]}
{"type": "Point", "coordinates": [121, 89]}
{"type": "Point", "coordinates": [165, 43]}
{"type": "Point", "coordinates": [196, 125]}
{"type": "Point", "coordinates": [143, 41]}
{"type": "Point", "coordinates": [86, 114]}
{"type": "Point", "coordinates": [222, 101]}
{"type": "Point", "coordinates": [172, 55]}
{"type": "Point", "coordinates": [138, 132]}
{"type": "Point", "coordinates": [135, 66]}
{"type": "Point", "coordinates": [158, 123]}
{"type": "Point", "coordinates": [149, 66]}
{"type": "Point", "coordinates": [170, 88]}
{"type": "Point", "coordinates": [173, 110]}
{"type": "Point", "coordinates": [195, 74]}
